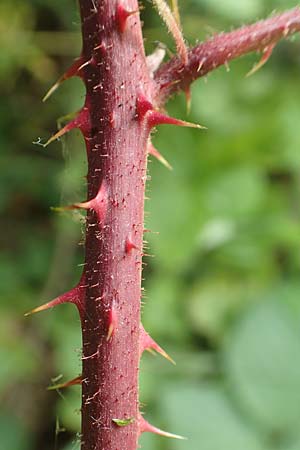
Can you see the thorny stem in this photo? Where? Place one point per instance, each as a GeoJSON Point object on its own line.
{"type": "Point", "coordinates": [116, 151]}
{"type": "Point", "coordinates": [172, 76]}
{"type": "Point", "coordinates": [120, 110]}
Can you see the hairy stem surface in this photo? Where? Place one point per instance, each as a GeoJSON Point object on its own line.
{"type": "Point", "coordinates": [120, 109]}
{"type": "Point", "coordinates": [116, 152]}
{"type": "Point", "coordinates": [221, 49]}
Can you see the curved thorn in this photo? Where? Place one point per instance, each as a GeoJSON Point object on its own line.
{"type": "Point", "coordinates": [147, 343]}
{"type": "Point", "coordinates": [53, 88]}
{"type": "Point", "coordinates": [81, 121]}
{"type": "Point", "coordinates": [266, 54]}
{"type": "Point", "coordinates": [70, 126]}
{"type": "Point", "coordinates": [154, 152]}
{"type": "Point", "coordinates": [71, 72]}
{"type": "Point", "coordinates": [146, 427]}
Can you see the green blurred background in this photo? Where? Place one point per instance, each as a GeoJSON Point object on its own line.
{"type": "Point", "coordinates": [221, 293]}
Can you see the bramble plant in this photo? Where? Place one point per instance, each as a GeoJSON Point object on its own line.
{"type": "Point", "coordinates": [125, 95]}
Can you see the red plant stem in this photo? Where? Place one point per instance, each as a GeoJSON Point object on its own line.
{"type": "Point", "coordinates": [222, 48]}
{"type": "Point", "coordinates": [115, 121]}
{"type": "Point", "coordinates": [116, 150]}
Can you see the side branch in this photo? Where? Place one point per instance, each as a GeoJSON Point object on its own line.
{"type": "Point", "coordinates": [173, 76]}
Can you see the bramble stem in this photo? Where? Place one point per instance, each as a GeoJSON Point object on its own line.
{"type": "Point", "coordinates": [222, 48]}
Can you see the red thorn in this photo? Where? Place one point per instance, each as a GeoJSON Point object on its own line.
{"type": "Point", "coordinates": [122, 16]}
{"type": "Point", "coordinates": [75, 381]}
{"type": "Point", "coordinates": [72, 296]}
{"type": "Point", "coordinates": [129, 245]}
{"type": "Point", "coordinates": [154, 152]}
{"type": "Point", "coordinates": [266, 54]}
{"type": "Point", "coordinates": [147, 343]}
{"type": "Point", "coordinates": [98, 203]}
{"type": "Point", "coordinates": [112, 322]}
{"type": "Point", "coordinates": [71, 72]}
{"type": "Point", "coordinates": [155, 118]}
{"type": "Point", "coordinates": [145, 110]}
{"type": "Point", "coordinates": [146, 427]}
{"type": "Point", "coordinates": [81, 121]}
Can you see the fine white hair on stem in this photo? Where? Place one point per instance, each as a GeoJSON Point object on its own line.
{"type": "Point", "coordinates": [173, 27]}
{"type": "Point", "coordinates": [176, 11]}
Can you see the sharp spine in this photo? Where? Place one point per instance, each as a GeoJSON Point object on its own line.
{"type": "Point", "coordinates": [73, 71]}
{"type": "Point", "coordinates": [72, 296]}
{"type": "Point", "coordinates": [155, 118]}
{"type": "Point", "coordinates": [73, 382]}
{"type": "Point", "coordinates": [266, 54]}
{"type": "Point", "coordinates": [154, 152]}
{"type": "Point", "coordinates": [146, 427]}
{"type": "Point", "coordinates": [81, 122]}
{"type": "Point", "coordinates": [98, 204]}
{"type": "Point", "coordinates": [147, 343]}
{"type": "Point", "coordinates": [146, 112]}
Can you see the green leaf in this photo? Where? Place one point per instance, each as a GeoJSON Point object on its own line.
{"type": "Point", "coordinates": [206, 417]}
{"type": "Point", "coordinates": [212, 302]}
{"type": "Point", "coordinates": [13, 434]}
{"type": "Point", "coordinates": [263, 365]}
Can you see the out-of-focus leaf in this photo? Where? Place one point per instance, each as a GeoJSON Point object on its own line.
{"type": "Point", "coordinates": [237, 192]}
{"type": "Point", "coordinates": [16, 353]}
{"type": "Point", "coordinates": [162, 310]}
{"type": "Point", "coordinates": [68, 411]}
{"type": "Point", "coordinates": [13, 434]}
{"type": "Point", "coordinates": [213, 302]}
{"type": "Point", "coordinates": [262, 359]}
{"type": "Point", "coordinates": [206, 417]}
{"type": "Point", "coordinates": [232, 10]}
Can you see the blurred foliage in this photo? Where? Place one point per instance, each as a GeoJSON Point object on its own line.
{"type": "Point", "coordinates": [222, 293]}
